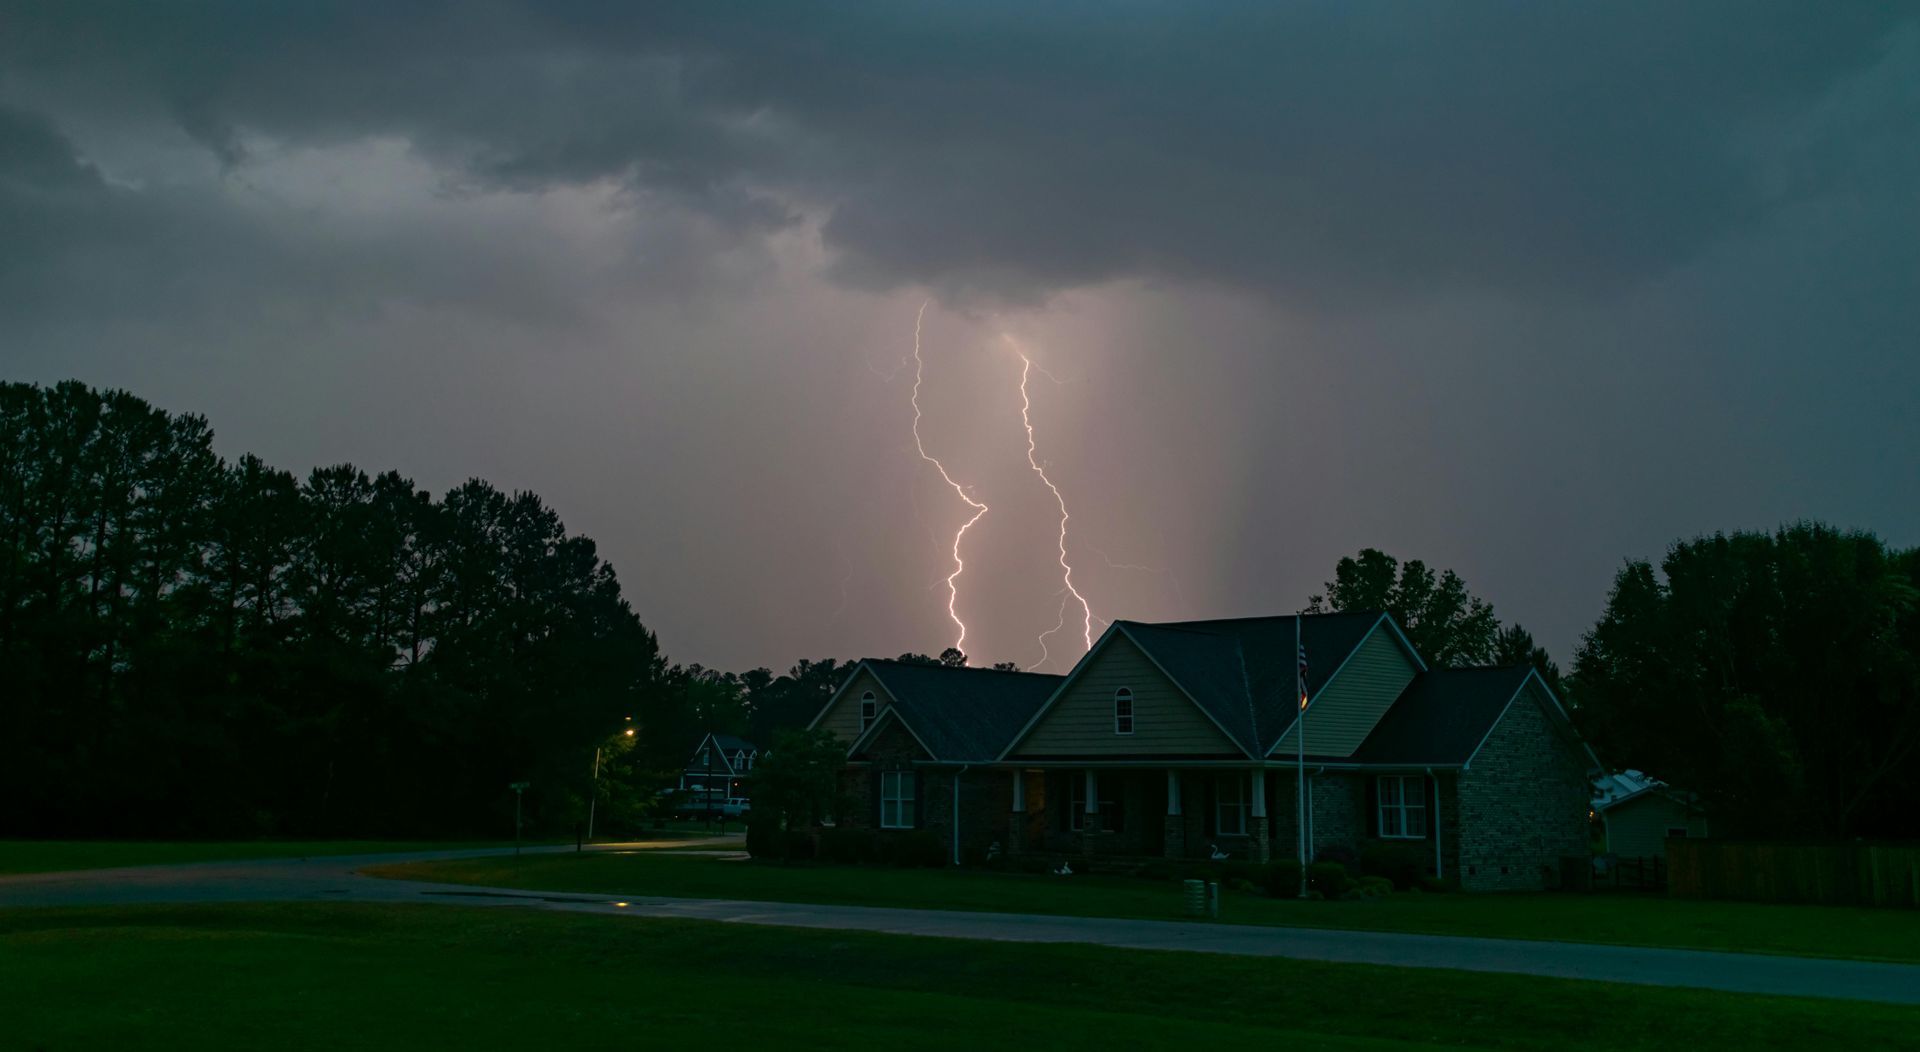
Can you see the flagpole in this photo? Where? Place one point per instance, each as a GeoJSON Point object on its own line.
{"type": "Point", "coordinates": [1300, 762]}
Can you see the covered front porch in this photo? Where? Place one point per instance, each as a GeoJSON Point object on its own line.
{"type": "Point", "coordinates": [1096, 810]}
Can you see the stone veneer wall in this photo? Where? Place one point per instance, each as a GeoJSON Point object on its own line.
{"type": "Point", "coordinates": [1522, 804]}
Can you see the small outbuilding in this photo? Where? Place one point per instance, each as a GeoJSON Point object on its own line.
{"type": "Point", "coordinates": [1638, 814]}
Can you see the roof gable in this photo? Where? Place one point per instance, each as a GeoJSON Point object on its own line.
{"type": "Point", "coordinates": [1442, 717]}
{"type": "Point", "coordinates": [960, 714]}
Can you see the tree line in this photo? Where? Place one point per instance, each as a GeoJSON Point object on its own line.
{"type": "Point", "coordinates": [196, 647]}
{"type": "Point", "coordinates": [192, 646]}
{"type": "Point", "coordinates": [1773, 676]}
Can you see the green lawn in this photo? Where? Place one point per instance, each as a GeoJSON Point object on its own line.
{"type": "Point", "coordinates": [48, 856]}
{"type": "Point", "coordinates": [330, 976]}
{"type": "Point", "coordinates": [1639, 920]}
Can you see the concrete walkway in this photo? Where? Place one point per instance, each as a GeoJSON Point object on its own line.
{"type": "Point", "coordinates": [336, 880]}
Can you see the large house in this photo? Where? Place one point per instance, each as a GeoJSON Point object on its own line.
{"type": "Point", "coordinates": [1181, 740]}
{"type": "Point", "coordinates": [720, 767]}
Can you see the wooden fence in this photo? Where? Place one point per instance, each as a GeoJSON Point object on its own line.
{"type": "Point", "coordinates": [1827, 874]}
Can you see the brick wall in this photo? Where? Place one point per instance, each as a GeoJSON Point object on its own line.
{"type": "Point", "coordinates": [1522, 805]}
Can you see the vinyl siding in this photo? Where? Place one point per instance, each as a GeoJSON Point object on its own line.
{"type": "Point", "coordinates": [1348, 706]}
{"type": "Point", "coordinates": [842, 717]}
{"type": "Point", "coordinates": [1638, 828]}
{"type": "Point", "coordinates": [1080, 723]}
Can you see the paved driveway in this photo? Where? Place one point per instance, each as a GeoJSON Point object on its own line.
{"type": "Point", "coordinates": [336, 879]}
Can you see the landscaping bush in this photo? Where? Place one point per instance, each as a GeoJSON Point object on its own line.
{"type": "Point", "coordinates": [764, 840]}
{"type": "Point", "coordinates": [1330, 879]}
{"type": "Point", "coordinates": [1372, 887]}
{"type": "Point", "coordinates": [1340, 853]}
{"type": "Point", "coordinates": [1283, 878]}
{"type": "Point", "coordinates": [1401, 862]}
{"type": "Point", "coordinates": [848, 846]}
{"type": "Point", "coordinates": [918, 849]}
{"type": "Point", "coordinates": [799, 845]}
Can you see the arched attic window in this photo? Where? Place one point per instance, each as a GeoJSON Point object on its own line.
{"type": "Point", "coordinates": [869, 708]}
{"type": "Point", "coordinates": [1123, 711]}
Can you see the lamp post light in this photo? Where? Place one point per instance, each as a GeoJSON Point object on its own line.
{"type": "Point", "coordinates": [593, 790]}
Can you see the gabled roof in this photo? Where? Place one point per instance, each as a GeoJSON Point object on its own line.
{"type": "Point", "coordinates": [732, 744]}
{"type": "Point", "coordinates": [1239, 671]}
{"type": "Point", "coordinates": [960, 714]}
{"type": "Point", "coordinates": [1262, 701]}
{"type": "Point", "coordinates": [1441, 718]}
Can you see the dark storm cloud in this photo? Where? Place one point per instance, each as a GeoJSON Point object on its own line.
{"type": "Point", "coordinates": [1318, 151]}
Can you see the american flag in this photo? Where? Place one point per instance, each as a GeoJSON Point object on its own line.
{"type": "Point", "coordinates": [1302, 686]}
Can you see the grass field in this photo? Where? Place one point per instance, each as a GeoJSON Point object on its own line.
{"type": "Point", "coordinates": [48, 856]}
{"type": "Point", "coordinates": [330, 976]}
{"type": "Point", "coordinates": [1640, 920]}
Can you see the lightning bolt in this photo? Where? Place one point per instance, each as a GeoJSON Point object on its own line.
{"type": "Point", "coordinates": [979, 509]}
{"type": "Point", "coordinates": [1033, 461]}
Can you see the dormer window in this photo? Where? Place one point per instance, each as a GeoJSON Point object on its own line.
{"type": "Point", "coordinates": [869, 708]}
{"type": "Point", "coordinates": [1123, 711]}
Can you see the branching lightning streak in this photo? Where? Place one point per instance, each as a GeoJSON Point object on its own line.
{"type": "Point", "coordinates": [979, 509]}
{"type": "Point", "coordinates": [1033, 461]}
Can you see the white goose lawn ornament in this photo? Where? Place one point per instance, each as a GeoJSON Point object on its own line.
{"type": "Point", "coordinates": [1065, 870]}
{"type": "Point", "coordinates": [1218, 855]}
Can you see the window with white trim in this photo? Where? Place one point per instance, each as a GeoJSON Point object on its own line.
{"type": "Point", "coordinates": [869, 708]}
{"type": "Point", "coordinates": [1230, 805]}
{"type": "Point", "coordinates": [896, 799]}
{"type": "Point", "coordinates": [1402, 803]}
{"type": "Point", "coordinates": [1123, 711]}
{"type": "Point", "coordinates": [706, 757]}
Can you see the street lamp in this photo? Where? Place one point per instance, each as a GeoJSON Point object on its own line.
{"type": "Point", "coordinates": [593, 790]}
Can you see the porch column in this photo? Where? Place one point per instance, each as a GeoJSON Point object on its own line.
{"type": "Point", "coordinates": [1017, 819]}
{"type": "Point", "coordinates": [1090, 824]}
{"type": "Point", "coordinates": [1259, 846]}
{"type": "Point", "coordinates": [1174, 842]}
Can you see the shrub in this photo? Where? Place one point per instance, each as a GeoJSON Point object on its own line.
{"type": "Point", "coordinates": [917, 849]}
{"type": "Point", "coordinates": [1283, 878]}
{"type": "Point", "coordinates": [1243, 885]}
{"type": "Point", "coordinates": [1373, 887]}
{"type": "Point", "coordinates": [1401, 862]}
{"type": "Point", "coordinates": [1329, 879]}
{"type": "Point", "coordinates": [1340, 853]}
{"type": "Point", "coordinates": [799, 845]}
{"type": "Point", "coordinates": [764, 840]}
{"type": "Point", "coordinates": [850, 846]}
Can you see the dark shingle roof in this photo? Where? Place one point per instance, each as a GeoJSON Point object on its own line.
{"type": "Point", "coordinates": [1442, 716]}
{"type": "Point", "coordinates": [963, 714]}
{"type": "Point", "coordinates": [732, 744]}
{"type": "Point", "coordinates": [1240, 670]}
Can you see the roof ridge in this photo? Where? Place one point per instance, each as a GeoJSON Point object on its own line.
{"type": "Point", "coordinates": [959, 668]}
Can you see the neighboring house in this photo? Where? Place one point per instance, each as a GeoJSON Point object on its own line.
{"type": "Point", "coordinates": [721, 766]}
{"type": "Point", "coordinates": [1178, 739]}
{"type": "Point", "coordinates": [1638, 814]}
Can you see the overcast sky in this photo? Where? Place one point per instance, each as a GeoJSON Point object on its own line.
{"type": "Point", "coordinates": [1518, 289]}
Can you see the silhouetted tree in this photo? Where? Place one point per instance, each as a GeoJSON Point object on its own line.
{"type": "Point", "coordinates": [1441, 619]}
{"type": "Point", "coordinates": [1777, 675]}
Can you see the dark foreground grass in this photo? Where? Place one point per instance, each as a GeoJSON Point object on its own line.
{"type": "Point", "coordinates": [1637, 920]}
{"type": "Point", "coordinates": [332, 976]}
{"type": "Point", "coordinates": [49, 856]}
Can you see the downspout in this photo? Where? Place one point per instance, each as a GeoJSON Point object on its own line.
{"type": "Point", "coordinates": [1439, 867]}
{"type": "Point", "coordinates": [956, 811]}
